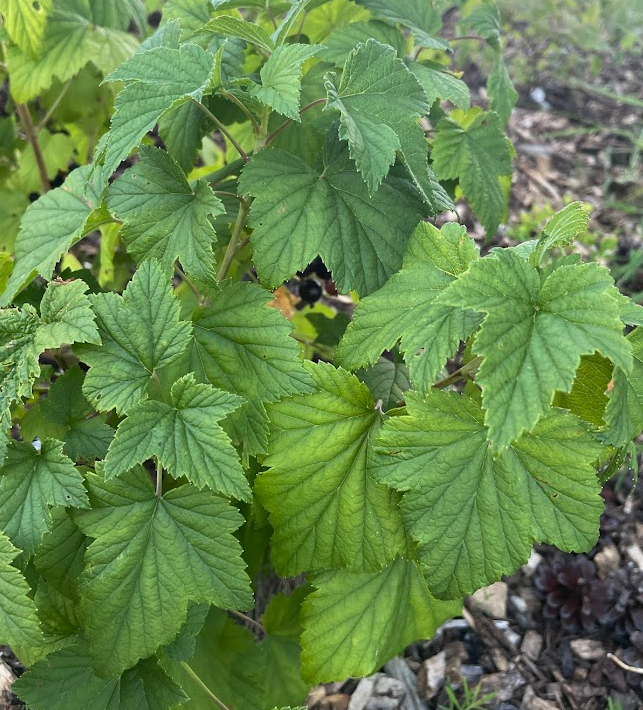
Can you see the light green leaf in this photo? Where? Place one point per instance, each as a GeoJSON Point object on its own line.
{"type": "Point", "coordinates": [325, 509]}
{"type": "Point", "coordinates": [344, 40]}
{"type": "Point", "coordinates": [280, 35]}
{"type": "Point", "coordinates": [562, 229]}
{"type": "Point", "coordinates": [300, 213]}
{"type": "Point", "coordinates": [404, 307]}
{"type": "Point", "coordinates": [379, 101]}
{"type": "Point", "coordinates": [165, 218]}
{"type": "Point", "coordinates": [228, 26]}
{"type": "Point", "coordinates": [18, 617]}
{"type": "Point", "coordinates": [86, 435]}
{"type": "Point", "coordinates": [354, 623]}
{"type": "Point", "coordinates": [66, 680]}
{"type": "Point", "coordinates": [418, 15]}
{"type": "Point", "coordinates": [502, 95]}
{"type": "Point", "coordinates": [476, 514]}
{"type": "Point", "coordinates": [25, 22]}
{"type": "Point", "coordinates": [182, 130]}
{"type": "Point", "coordinates": [140, 332]}
{"type": "Point", "coordinates": [160, 79]}
{"type": "Point", "coordinates": [66, 316]}
{"type": "Point", "coordinates": [50, 226]}
{"type": "Point", "coordinates": [185, 437]}
{"type": "Point", "coordinates": [281, 78]}
{"type": "Point", "coordinates": [536, 329]}
{"type": "Point", "coordinates": [179, 547]}
{"type": "Point", "coordinates": [476, 152]}
{"type": "Point", "coordinates": [242, 346]}
{"type": "Point", "coordinates": [72, 39]}
{"type": "Point", "coordinates": [31, 482]}
{"type": "Point", "coordinates": [440, 84]}
{"type": "Point", "coordinates": [587, 398]}
{"type": "Point", "coordinates": [624, 413]}
{"type": "Point", "coordinates": [388, 381]}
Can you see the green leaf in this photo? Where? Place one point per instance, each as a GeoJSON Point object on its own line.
{"type": "Point", "coordinates": [57, 150]}
{"type": "Point", "coordinates": [562, 229]}
{"type": "Point", "coordinates": [185, 437]}
{"type": "Point", "coordinates": [344, 40]}
{"type": "Point", "coordinates": [440, 84]}
{"type": "Point", "coordinates": [72, 39]}
{"type": "Point", "coordinates": [184, 645]}
{"type": "Point", "coordinates": [354, 623]}
{"type": "Point", "coordinates": [160, 79]}
{"type": "Point", "coordinates": [241, 346]}
{"type": "Point", "coordinates": [324, 507]}
{"type": "Point", "coordinates": [140, 332]}
{"type": "Point", "coordinates": [66, 680]}
{"type": "Point", "coordinates": [18, 617]}
{"type": "Point", "coordinates": [379, 101]}
{"type": "Point", "coordinates": [624, 413]}
{"type": "Point", "coordinates": [476, 514]}
{"type": "Point", "coordinates": [31, 482]}
{"type": "Point", "coordinates": [25, 22]}
{"type": "Point", "coordinates": [281, 78]}
{"type": "Point", "coordinates": [179, 547]}
{"type": "Point", "coordinates": [404, 308]}
{"type": "Point", "coordinates": [417, 15]}
{"type": "Point", "coordinates": [165, 218]}
{"type": "Point", "coordinates": [502, 95]}
{"type": "Point", "coordinates": [182, 130]}
{"type": "Point", "coordinates": [535, 331]}
{"type": "Point", "coordinates": [236, 27]}
{"type": "Point", "coordinates": [66, 316]}
{"type": "Point", "coordinates": [476, 152]}
{"type": "Point", "coordinates": [280, 35]}
{"type": "Point", "coordinates": [301, 213]}
{"type": "Point", "coordinates": [86, 435]}
{"type": "Point", "coordinates": [587, 398]}
{"type": "Point", "coordinates": [50, 226]}
{"type": "Point", "coordinates": [388, 381]}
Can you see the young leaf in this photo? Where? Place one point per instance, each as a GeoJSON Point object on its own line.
{"type": "Point", "coordinates": [159, 79]}
{"type": "Point", "coordinates": [379, 101]}
{"type": "Point", "coordinates": [404, 307]}
{"type": "Point", "coordinates": [624, 412]}
{"type": "Point", "coordinates": [280, 35]}
{"type": "Point", "coordinates": [476, 152]}
{"type": "Point", "coordinates": [66, 316]}
{"type": "Point", "coordinates": [300, 213]}
{"type": "Point", "coordinates": [325, 509]}
{"type": "Point", "coordinates": [165, 218]}
{"type": "Point", "coordinates": [236, 27]}
{"type": "Point", "coordinates": [155, 554]}
{"type": "Point", "coordinates": [241, 346]}
{"type": "Point", "coordinates": [184, 436]}
{"type": "Point", "coordinates": [502, 95]}
{"type": "Point", "coordinates": [562, 229]}
{"type": "Point", "coordinates": [281, 78]}
{"type": "Point", "coordinates": [535, 331]}
{"type": "Point", "coordinates": [353, 623]}
{"type": "Point", "coordinates": [50, 226]}
{"type": "Point", "coordinates": [417, 15]}
{"type": "Point", "coordinates": [31, 482]}
{"type": "Point", "coordinates": [18, 617]}
{"type": "Point", "coordinates": [140, 332]}
{"type": "Point", "coordinates": [476, 514]}
{"type": "Point", "coordinates": [66, 680]}
{"type": "Point", "coordinates": [388, 381]}
{"type": "Point", "coordinates": [25, 23]}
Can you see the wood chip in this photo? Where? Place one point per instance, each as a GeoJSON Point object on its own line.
{"type": "Point", "coordinates": [362, 693]}
{"type": "Point", "coordinates": [530, 701]}
{"type": "Point", "coordinates": [635, 554]}
{"type": "Point", "coordinates": [532, 644]}
{"type": "Point", "coordinates": [431, 676]}
{"type": "Point", "coordinates": [504, 685]}
{"type": "Point", "coordinates": [337, 701]}
{"type": "Point", "coordinates": [491, 600]}
{"type": "Point", "coordinates": [587, 649]}
{"type": "Point", "coordinates": [607, 560]}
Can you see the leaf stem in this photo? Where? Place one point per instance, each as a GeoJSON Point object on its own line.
{"type": "Point", "coordinates": [159, 479]}
{"type": "Point", "coordinates": [247, 620]}
{"type": "Point", "coordinates": [54, 106]}
{"type": "Point", "coordinates": [465, 372]}
{"type": "Point", "coordinates": [235, 240]}
{"type": "Point", "coordinates": [222, 129]}
{"type": "Point", "coordinates": [463, 38]}
{"type": "Point", "coordinates": [226, 171]}
{"type": "Point", "coordinates": [189, 283]}
{"type": "Point", "coordinates": [244, 108]}
{"type": "Point", "coordinates": [219, 703]}
{"type": "Point", "coordinates": [25, 118]}
{"type": "Point", "coordinates": [288, 121]}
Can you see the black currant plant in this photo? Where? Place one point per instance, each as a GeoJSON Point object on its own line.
{"type": "Point", "coordinates": [168, 446]}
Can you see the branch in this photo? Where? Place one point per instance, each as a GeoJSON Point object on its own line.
{"type": "Point", "coordinates": [25, 118]}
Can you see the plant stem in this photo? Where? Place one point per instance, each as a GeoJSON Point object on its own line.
{"type": "Point", "coordinates": [462, 38]}
{"type": "Point", "coordinates": [189, 284]}
{"type": "Point", "coordinates": [226, 171]}
{"type": "Point", "coordinates": [222, 129]}
{"type": "Point", "coordinates": [286, 123]}
{"type": "Point", "coordinates": [159, 479]}
{"type": "Point", "coordinates": [54, 106]}
{"type": "Point", "coordinates": [247, 620]}
{"type": "Point", "coordinates": [235, 240]}
{"type": "Point", "coordinates": [465, 372]}
{"type": "Point", "coordinates": [25, 118]}
{"type": "Point", "coordinates": [219, 703]}
{"type": "Point", "coordinates": [244, 108]}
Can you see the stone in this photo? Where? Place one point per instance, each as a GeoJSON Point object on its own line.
{"type": "Point", "coordinates": [587, 649]}
{"type": "Point", "coordinates": [491, 600]}
{"type": "Point", "coordinates": [504, 685]}
{"type": "Point", "coordinates": [607, 560]}
{"type": "Point", "coordinates": [315, 697]}
{"type": "Point", "coordinates": [431, 676]}
{"type": "Point", "coordinates": [532, 645]}
{"type": "Point", "coordinates": [530, 701]}
{"type": "Point", "coordinates": [532, 564]}
{"type": "Point", "coordinates": [499, 659]}
{"type": "Point", "coordinates": [635, 554]}
{"type": "Point", "coordinates": [336, 701]}
{"type": "Point", "coordinates": [390, 687]}
{"type": "Point", "coordinates": [383, 703]}
{"type": "Point", "coordinates": [362, 694]}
